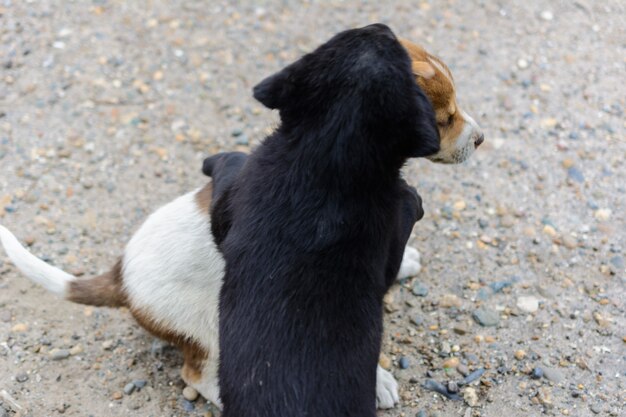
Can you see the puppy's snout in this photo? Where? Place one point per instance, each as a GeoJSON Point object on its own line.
{"type": "Point", "coordinates": [480, 138]}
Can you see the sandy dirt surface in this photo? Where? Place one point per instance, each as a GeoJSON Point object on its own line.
{"type": "Point", "coordinates": [107, 109]}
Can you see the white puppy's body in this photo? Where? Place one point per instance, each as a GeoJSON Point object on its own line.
{"type": "Point", "coordinates": [170, 278]}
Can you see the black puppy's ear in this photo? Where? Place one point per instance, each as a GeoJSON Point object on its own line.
{"type": "Point", "coordinates": [427, 141]}
{"type": "Point", "coordinates": [273, 91]}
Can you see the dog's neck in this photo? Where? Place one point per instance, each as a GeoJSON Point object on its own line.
{"type": "Point", "coordinates": [349, 161]}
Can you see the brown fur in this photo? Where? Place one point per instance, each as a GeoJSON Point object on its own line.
{"type": "Point", "coordinates": [194, 354]}
{"type": "Point", "coordinates": [102, 290]}
{"type": "Point", "coordinates": [439, 87]}
{"type": "Point", "coordinates": [203, 198]}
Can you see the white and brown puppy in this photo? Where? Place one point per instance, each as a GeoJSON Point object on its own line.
{"type": "Point", "coordinates": [172, 290]}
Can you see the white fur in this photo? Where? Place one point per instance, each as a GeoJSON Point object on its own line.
{"type": "Point", "coordinates": [411, 265]}
{"type": "Point", "coordinates": [386, 389]}
{"type": "Point", "coordinates": [51, 278]}
{"type": "Point", "coordinates": [173, 271]}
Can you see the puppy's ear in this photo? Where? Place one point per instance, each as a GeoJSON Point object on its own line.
{"type": "Point", "coordinates": [273, 92]}
{"type": "Point", "coordinates": [423, 69]}
{"type": "Point", "coordinates": [427, 141]}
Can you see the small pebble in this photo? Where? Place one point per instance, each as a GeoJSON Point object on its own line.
{"type": "Point", "coordinates": [117, 395]}
{"type": "Point", "coordinates": [19, 328]}
{"type": "Point", "coordinates": [528, 304]}
{"type": "Point", "coordinates": [140, 383]}
{"type": "Point", "coordinates": [547, 15]}
{"type": "Point", "coordinates": [107, 344]}
{"type": "Point", "coordinates": [576, 175]}
{"type": "Point", "coordinates": [404, 362]}
{"type": "Point", "coordinates": [188, 405]}
{"type": "Point", "coordinates": [450, 363]}
{"type": "Point", "coordinates": [553, 374]}
{"type": "Point", "coordinates": [21, 377]}
{"type": "Point", "coordinates": [59, 354]}
{"type": "Point", "coordinates": [520, 354]}
{"type": "Point", "coordinates": [470, 396]}
{"type": "Point", "coordinates": [486, 317]}
{"type": "Point", "coordinates": [419, 289]}
{"type": "Point", "coordinates": [453, 387]}
{"type": "Point", "coordinates": [129, 388]}
{"type": "Point", "coordinates": [537, 373]}
{"type": "Point", "coordinates": [190, 393]}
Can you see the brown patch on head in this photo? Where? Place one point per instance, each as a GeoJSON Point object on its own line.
{"type": "Point", "coordinates": [104, 290]}
{"type": "Point", "coordinates": [194, 354]}
{"type": "Point", "coordinates": [204, 198]}
{"type": "Point", "coordinates": [439, 88]}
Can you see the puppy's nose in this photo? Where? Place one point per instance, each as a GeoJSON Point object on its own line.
{"type": "Point", "coordinates": [480, 139]}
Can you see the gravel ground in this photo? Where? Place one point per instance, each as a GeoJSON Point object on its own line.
{"type": "Point", "coordinates": [107, 109]}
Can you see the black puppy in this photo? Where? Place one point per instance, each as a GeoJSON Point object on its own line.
{"type": "Point", "coordinates": [313, 228]}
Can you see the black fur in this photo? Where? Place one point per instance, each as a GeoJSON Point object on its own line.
{"type": "Point", "coordinates": [313, 229]}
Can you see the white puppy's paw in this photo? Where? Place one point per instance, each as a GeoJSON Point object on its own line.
{"type": "Point", "coordinates": [386, 389]}
{"type": "Point", "coordinates": [411, 265]}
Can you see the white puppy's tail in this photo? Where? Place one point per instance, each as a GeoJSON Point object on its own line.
{"type": "Point", "coordinates": [51, 278]}
{"type": "Point", "coordinates": [102, 290]}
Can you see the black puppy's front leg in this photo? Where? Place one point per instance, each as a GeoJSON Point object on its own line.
{"type": "Point", "coordinates": [411, 211]}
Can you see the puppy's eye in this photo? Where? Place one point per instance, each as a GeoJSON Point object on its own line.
{"type": "Point", "coordinates": [447, 122]}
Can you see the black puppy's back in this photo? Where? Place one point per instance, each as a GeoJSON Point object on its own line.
{"type": "Point", "coordinates": [309, 226]}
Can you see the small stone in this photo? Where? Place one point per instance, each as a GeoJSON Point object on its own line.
{"type": "Point", "coordinates": [569, 242]}
{"type": "Point", "coordinates": [453, 387]}
{"type": "Point", "coordinates": [575, 175]}
{"type": "Point", "coordinates": [528, 304]}
{"type": "Point", "coordinates": [19, 328]}
{"type": "Point", "coordinates": [30, 240]}
{"type": "Point", "coordinates": [553, 375]}
{"type": "Point", "coordinates": [618, 262]}
{"type": "Point", "coordinates": [75, 350]}
{"type": "Point", "coordinates": [603, 214]}
{"type": "Point", "coordinates": [450, 300]}
{"type": "Point", "coordinates": [404, 362]}
{"type": "Point", "coordinates": [460, 329]}
{"type": "Point", "coordinates": [417, 320]}
{"type": "Point", "coordinates": [537, 373]}
{"type": "Point", "coordinates": [549, 230]}
{"type": "Point", "coordinates": [463, 370]}
{"type": "Point", "coordinates": [547, 15]}
{"type": "Point", "coordinates": [117, 395]}
{"type": "Point", "coordinates": [129, 388]}
{"type": "Point", "coordinates": [486, 317]}
{"type": "Point", "coordinates": [384, 361]}
{"type": "Point", "coordinates": [21, 377]}
{"type": "Point", "coordinates": [59, 354]}
{"type": "Point", "coordinates": [520, 354]}
{"type": "Point", "coordinates": [470, 397]}
{"type": "Point", "coordinates": [190, 393]}
{"type": "Point", "coordinates": [451, 363]}
{"type": "Point", "coordinates": [459, 205]}
{"type": "Point", "coordinates": [421, 413]}
{"type": "Point", "coordinates": [107, 344]}
{"type": "Point", "coordinates": [522, 63]}
{"type": "Point", "coordinates": [595, 408]}
{"type": "Point", "coordinates": [140, 383]}
{"type": "Point", "coordinates": [5, 316]}
{"type": "Point", "coordinates": [419, 289]}
{"type": "Point", "coordinates": [188, 405]}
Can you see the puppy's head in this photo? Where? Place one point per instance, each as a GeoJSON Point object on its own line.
{"type": "Point", "coordinates": [359, 84]}
{"type": "Point", "coordinates": [460, 135]}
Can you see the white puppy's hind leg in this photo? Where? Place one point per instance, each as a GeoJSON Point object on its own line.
{"type": "Point", "coordinates": [411, 265]}
{"type": "Point", "coordinates": [386, 389]}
